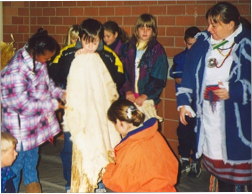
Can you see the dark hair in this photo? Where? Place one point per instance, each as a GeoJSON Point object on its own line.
{"type": "Point", "coordinates": [90, 28]}
{"type": "Point", "coordinates": [225, 12]}
{"type": "Point", "coordinates": [113, 27]}
{"type": "Point", "coordinates": [41, 42]}
{"type": "Point", "coordinates": [191, 32]}
{"type": "Point", "coordinates": [125, 110]}
{"type": "Point", "coordinates": [245, 23]}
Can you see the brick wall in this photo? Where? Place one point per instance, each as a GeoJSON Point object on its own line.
{"type": "Point", "coordinates": [23, 18]}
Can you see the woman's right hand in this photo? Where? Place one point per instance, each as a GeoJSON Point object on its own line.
{"type": "Point", "coordinates": [183, 112]}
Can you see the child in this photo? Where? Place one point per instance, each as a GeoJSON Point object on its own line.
{"type": "Point", "coordinates": [143, 160]}
{"type": "Point", "coordinates": [72, 35]}
{"type": "Point", "coordinates": [145, 63]}
{"type": "Point", "coordinates": [29, 100]}
{"type": "Point", "coordinates": [59, 70]}
{"type": "Point", "coordinates": [8, 156]}
{"type": "Point", "coordinates": [114, 36]}
{"type": "Point", "coordinates": [186, 134]}
{"type": "Point", "coordinates": [96, 88]}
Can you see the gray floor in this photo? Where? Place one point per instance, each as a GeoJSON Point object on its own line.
{"type": "Point", "coordinates": [52, 180]}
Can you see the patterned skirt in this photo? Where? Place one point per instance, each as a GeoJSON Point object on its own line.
{"type": "Point", "coordinates": [237, 174]}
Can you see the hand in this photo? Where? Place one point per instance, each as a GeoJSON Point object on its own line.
{"type": "Point", "coordinates": [64, 97]}
{"type": "Point", "coordinates": [130, 96]}
{"type": "Point", "coordinates": [61, 106]}
{"type": "Point", "coordinates": [140, 100]}
{"type": "Point", "coordinates": [222, 93]}
{"type": "Point", "coordinates": [80, 51]}
{"type": "Point", "coordinates": [111, 156]}
{"type": "Point", "coordinates": [183, 112]}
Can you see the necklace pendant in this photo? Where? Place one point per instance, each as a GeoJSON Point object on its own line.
{"type": "Point", "coordinates": [212, 62]}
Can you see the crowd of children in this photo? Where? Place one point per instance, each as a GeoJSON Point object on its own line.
{"type": "Point", "coordinates": [98, 81]}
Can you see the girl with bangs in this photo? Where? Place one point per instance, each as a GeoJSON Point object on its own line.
{"type": "Point", "coordinates": [145, 63]}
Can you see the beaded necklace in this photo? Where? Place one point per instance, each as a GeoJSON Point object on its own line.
{"type": "Point", "coordinates": [213, 62]}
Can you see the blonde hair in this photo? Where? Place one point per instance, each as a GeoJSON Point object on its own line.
{"type": "Point", "coordinates": [148, 20]}
{"type": "Point", "coordinates": [7, 141]}
{"type": "Point", "coordinates": [125, 110]}
{"type": "Point", "coordinates": [73, 31]}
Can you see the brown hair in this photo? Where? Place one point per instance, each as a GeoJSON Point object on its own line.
{"type": "Point", "coordinates": [148, 20]}
{"type": "Point", "coordinates": [224, 12]}
{"type": "Point", "coordinates": [113, 27]}
{"type": "Point", "coordinates": [125, 110]}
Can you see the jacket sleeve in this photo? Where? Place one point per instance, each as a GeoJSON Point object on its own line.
{"type": "Point", "coordinates": [158, 78]}
{"type": "Point", "coordinates": [114, 66]}
{"type": "Point", "coordinates": [176, 70]}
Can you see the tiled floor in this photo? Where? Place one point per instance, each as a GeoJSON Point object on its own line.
{"type": "Point", "coordinates": [52, 180]}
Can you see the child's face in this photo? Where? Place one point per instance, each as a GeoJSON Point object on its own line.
{"type": "Point", "coordinates": [190, 42]}
{"type": "Point", "coordinates": [46, 57]}
{"type": "Point", "coordinates": [90, 47]}
{"type": "Point", "coordinates": [109, 38]}
{"type": "Point", "coordinates": [73, 39]}
{"type": "Point", "coordinates": [8, 156]}
{"type": "Point", "coordinates": [144, 33]}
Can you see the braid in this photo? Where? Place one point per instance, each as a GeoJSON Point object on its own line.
{"type": "Point", "coordinates": [39, 43]}
{"type": "Point", "coordinates": [34, 54]}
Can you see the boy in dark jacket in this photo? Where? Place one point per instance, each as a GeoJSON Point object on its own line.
{"type": "Point", "coordinates": [59, 70]}
{"type": "Point", "coordinates": [186, 135]}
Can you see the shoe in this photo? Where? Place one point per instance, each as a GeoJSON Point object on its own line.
{"type": "Point", "coordinates": [195, 169]}
{"type": "Point", "coordinates": [184, 166]}
{"type": "Point", "coordinates": [33, 187]}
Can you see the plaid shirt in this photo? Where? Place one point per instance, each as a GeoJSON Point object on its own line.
{"type": "Point", "coordinates": [28, 101]}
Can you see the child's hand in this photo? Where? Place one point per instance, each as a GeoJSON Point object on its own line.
{"type": "Point", "coordinates": [140, 100]}
{"type": "Point", "coordinates": [130, 96]}
{"type": "Point", "coordinates": [80, 51]}
{"type": "Point", "coordinates": [111, 156]}
{"type": "Point", "coordinates": [64, 97]}
{"type": "Point", "coordinates": [61, 106]}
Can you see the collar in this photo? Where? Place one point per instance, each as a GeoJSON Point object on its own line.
{"type": "Point", "coordinates": [114, 44]}
{"type": "Point", "coordinates": [145, 125]}
{"type": "Point", "coordinates": [78, 45]}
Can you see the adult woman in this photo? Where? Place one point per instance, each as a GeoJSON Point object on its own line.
{"type": "Point", "coordinates": [217, 79]}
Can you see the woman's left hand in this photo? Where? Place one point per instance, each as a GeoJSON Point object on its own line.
{"type": "Point", "coordinates": [222, 93]}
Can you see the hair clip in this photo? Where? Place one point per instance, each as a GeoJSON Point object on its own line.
{"type": "Point", "coordinates": [130, 110]}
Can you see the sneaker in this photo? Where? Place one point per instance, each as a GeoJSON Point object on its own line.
{"type": "Point", "coordinates": [195, 170]}
{"type": "Point", "coordinates": [184, 166]}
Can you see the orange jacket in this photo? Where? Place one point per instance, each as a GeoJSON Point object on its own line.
{"type": "Point", "coordinates": [143, 163]}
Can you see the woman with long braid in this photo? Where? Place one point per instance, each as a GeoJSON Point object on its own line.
{"type": "Point", "coordinates": [29, 99]}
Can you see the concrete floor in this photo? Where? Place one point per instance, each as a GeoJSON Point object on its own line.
{"type": "Point", "coordinates": [52, 180]}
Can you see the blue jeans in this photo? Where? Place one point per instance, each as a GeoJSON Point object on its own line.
{"type": "Point", "coordinates": [101, 188]}
{"type": "Point", "coordinates": [27, 162]}
{"type": "Point", "coordinates": [66, 157]}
